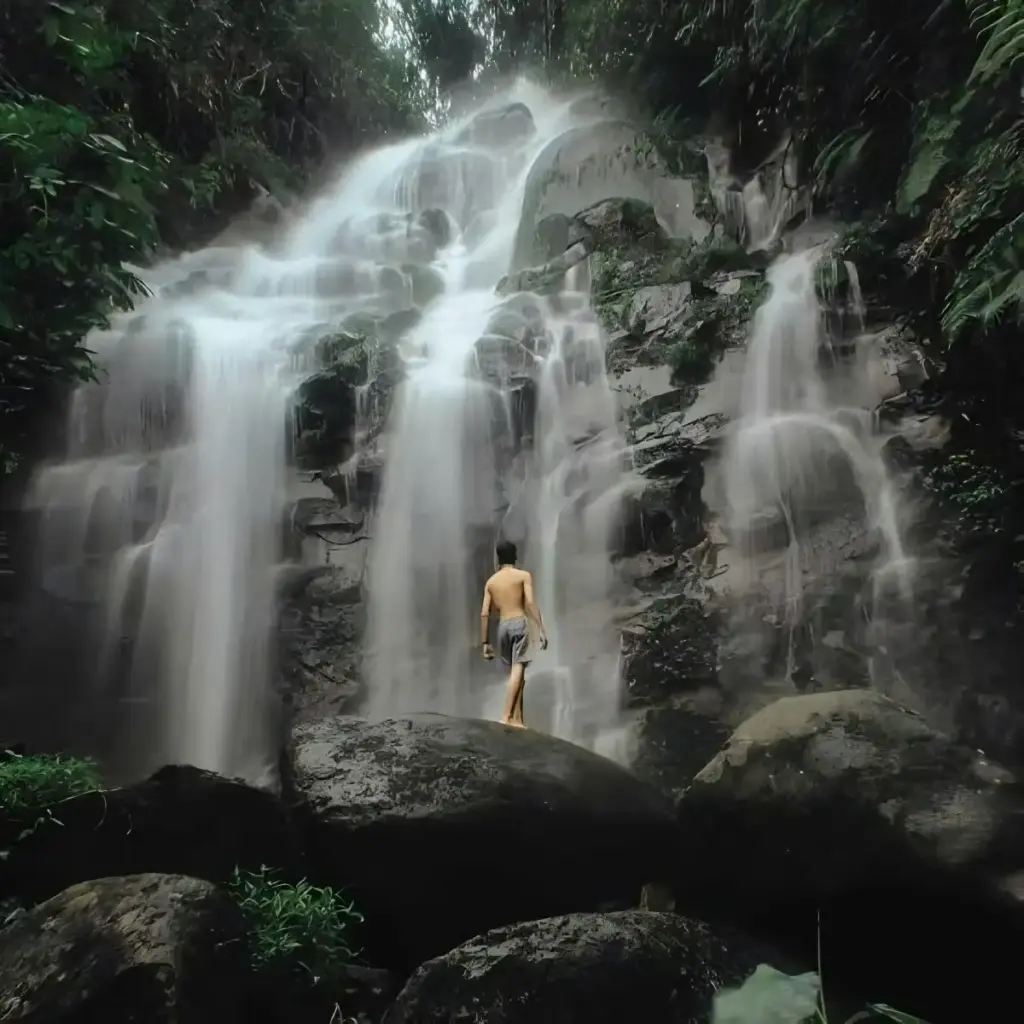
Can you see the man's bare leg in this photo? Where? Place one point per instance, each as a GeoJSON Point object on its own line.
{"type": "Point", "coordinates": [513, 694]}
{"type": "Point", "coordinates": [517, 711]}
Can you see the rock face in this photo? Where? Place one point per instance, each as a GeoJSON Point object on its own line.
{"type": "Point", "coordinates": [591, 162]}
{"type": "Point", "coordinates": [443, 827]}
{"type": "Point", "coordinates": [156, 948]}
{"type": "Point", "coordinates": [871, 792]}
{"type": "Point", "coordinates": [599, 968]}
{"type": "Point", "coordinates": [848, 803]}
{"type": "Point", "coordinates": [181, 820]}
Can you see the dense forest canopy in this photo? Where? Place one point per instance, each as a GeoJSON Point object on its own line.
{"type": "Point", "coordinates": [127, 126]}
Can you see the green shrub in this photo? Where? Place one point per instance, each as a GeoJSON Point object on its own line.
{"type": "Point", "coordinates": [28, 783]}
{"type": "Point", "coordinates": [29, 786]}
{"type": "Point", "coordinates": [295, 927]}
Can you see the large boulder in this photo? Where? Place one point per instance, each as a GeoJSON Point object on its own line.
{"type": "Point", "coordinates": [900, 800]}
{"type": "Point", "coordinates": [849, 806]}
{"type": "Point", "coordinates": [445, 827]}
{"type": "Point", "coordinates": [181, 820]}
{"type": "Point", "coordinates": [507, 125]}
{"type": "Point", "coordinates": [619, 223]}
{"type": "Point", "coordinates": [634, 965]}
{"type": "Point", "coordinates": [590, 162]}
{"type": "Point", "coordinates": [155, 948]}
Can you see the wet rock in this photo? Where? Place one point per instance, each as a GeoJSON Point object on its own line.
{"type": "Point", "coordinates": [392, 238]}
{"type": "Point", "coordinates": [438, 225]}
{"type": "Point", "coordinates": [508, 125]}
{"type": "Point", "coordinates": [851, 804]}
{"type": "Point", "coordinates": [422, 816]}
{"type": "Point", "coordinates": [427, 283]}
{"type": "Point", "coordinates": [327, 411]}
{"type": "Point", "coordinates": [674, 740]}
{"type": "Point", "coordinates": [321, 627]}
{"type": "Point", "coordinates": [601, 968]}
{"type": "Point", "coordinates": [591, 162]}
{"type": "Point", "coordinates": [551, 237]}
{"type": "Point", "coordinates": [156, 948]}
{"type": "Point", "coordinates": [671, 648]}
{"type": "Point", "coordinates": [664, 512]}
{"type": "Point", "coordinates": [546, 279]}
{"type": "Point", "coordinates": [181, 820]}
{"type": "Point", "coordinates": [396, 324]}
{"type": "Point", "coordinates": [462, 182]}
{"type": "Point", "coordinates": [618, 223]}
{"type": "Point", "coordinates": [901, 792]}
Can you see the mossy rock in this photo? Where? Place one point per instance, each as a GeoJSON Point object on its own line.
{"type": "Point", "coordinates": [617, 223]}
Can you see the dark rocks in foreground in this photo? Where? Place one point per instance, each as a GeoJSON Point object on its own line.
{"type": "Point", "coordinates": [848, 809]}
{"type": "Point", "coordinates": [828, 791]}
{"type": "Point", "coordinates": [443, 828]}
{"type": "Point", "coordinates": [633, 965]}
{"type": "Point", "coordinates": [181, 821]}
{"type": "Point", "coordinates": [152, 948]}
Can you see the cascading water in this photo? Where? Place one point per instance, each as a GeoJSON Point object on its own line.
{"type": "Point", "coordinates": [455, 471]}
{"type": "Point", "coordinates": [167, 516]}
{"type": "Point", "coordinates": [164, 525]}
{"type": "Point", "coordinates": [801, 450]}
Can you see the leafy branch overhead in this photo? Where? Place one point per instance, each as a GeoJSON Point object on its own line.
{"type": "Point", "coordinates": [125, 127]}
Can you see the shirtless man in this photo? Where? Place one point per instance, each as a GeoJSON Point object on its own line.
{"type": "Point", "coordinates": [509, 592]}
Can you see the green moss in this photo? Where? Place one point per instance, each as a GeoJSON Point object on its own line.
{"type": "Point", "coordinates": [714, 324]}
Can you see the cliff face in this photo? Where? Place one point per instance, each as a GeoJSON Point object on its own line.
{"type": "Point", "coordinates": [706, 633]}
{"type": "Point", "coordinates": [711, 623]}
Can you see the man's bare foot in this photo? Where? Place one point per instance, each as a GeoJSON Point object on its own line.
{"type": "Point", "coordinates": [518, 725]}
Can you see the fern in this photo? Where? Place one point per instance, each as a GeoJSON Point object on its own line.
{"type": "Point", "coordinates": [1000, 23]}
{"type": "Point", "coordinates": [992, 284]}
{"type": "Point", "coordinates": [841, 156]}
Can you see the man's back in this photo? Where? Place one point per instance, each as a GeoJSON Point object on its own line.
{"type": "Point", "coordinates": [509, 594]}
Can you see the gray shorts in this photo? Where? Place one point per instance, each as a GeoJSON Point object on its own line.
{"type": "Point", "coordinates": [514, 641]}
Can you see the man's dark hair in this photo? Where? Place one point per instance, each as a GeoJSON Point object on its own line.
{"type": "Point", "coordinates": [506, 552]}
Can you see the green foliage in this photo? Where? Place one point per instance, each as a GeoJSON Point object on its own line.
{"type": "Point", "coordinates": [124, 126]}
{"type": "Point", "coordinates": [30, 786]}
{"type": "Point", "coordinates": [981, 495]}
{"type": "Point", "coordinates": [295, 927]}
{"type": "Point", "coordinates": [905, 120]}
{"type": "Point", "coordinates": [715, 323]}
{"type": "Point", "coordinates": [28, 783]}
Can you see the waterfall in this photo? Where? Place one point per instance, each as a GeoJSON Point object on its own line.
{"type": "Point", "coordinates": [163, 524]}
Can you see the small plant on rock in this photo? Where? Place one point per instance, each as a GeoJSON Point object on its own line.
{"type": "Point", "coordinates": [29, 782]}
{"type": "Point", "coordinates": [295, 926]}
{"type": "Point", "coordinates": [30, 785]}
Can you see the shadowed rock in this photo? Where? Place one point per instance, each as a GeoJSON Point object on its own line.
{"type": "Point", "coordinates": [600, 968]}
{"type": "Point", "coordinates": [181, 820]}
{"type": "Point", "coordinates": [445, 827]}
{"type": "Point", "coordinates": [847, 805]}
{"type": "Point", "coordinates": [155, 948]}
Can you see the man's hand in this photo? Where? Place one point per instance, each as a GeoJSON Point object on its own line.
{"type": "Point", "coordinates": [543, 641]}
{"type": "Point", "coordinates": [488, 652]}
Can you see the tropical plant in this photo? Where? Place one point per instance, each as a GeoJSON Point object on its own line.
{"type": "Point", "coordinates": [295, 926]}
{"type": "Point", "coordinates": [125, 127]}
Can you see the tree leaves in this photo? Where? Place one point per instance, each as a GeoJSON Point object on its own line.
{"type": "Point", "coordinates": [123, 125]}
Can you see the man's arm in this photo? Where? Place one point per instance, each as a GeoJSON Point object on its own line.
{"type": "Point", "coordinates": [485, 616]}
{"type": "Point", "coordinates": [531, 608]}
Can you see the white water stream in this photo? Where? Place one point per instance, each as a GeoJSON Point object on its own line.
{"type": "Point", "coordinates": [164, 522]}
{"type": "Point", "coordinates": [802, 449]}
